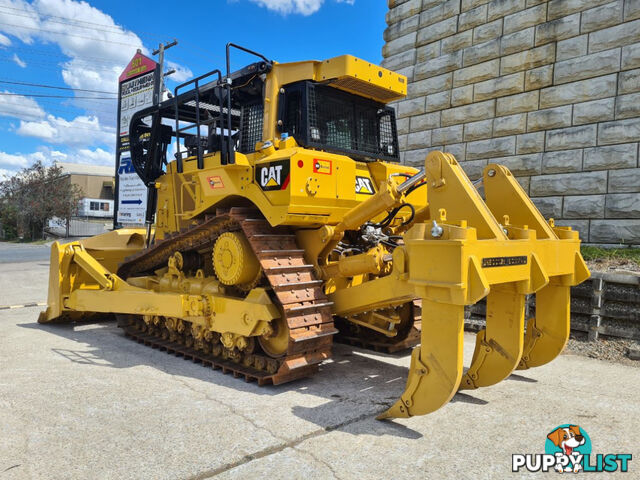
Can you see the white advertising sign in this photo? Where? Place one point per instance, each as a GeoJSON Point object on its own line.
{"type": "Point", "coordinates": [135, 95]}
{"type": "Point", "coordinates": [132, 194]}
{"type": "Point", "coordinates": [138, 85]}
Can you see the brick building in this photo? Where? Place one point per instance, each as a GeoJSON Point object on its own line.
{"type": "Point", "coordinates": [551, 89]}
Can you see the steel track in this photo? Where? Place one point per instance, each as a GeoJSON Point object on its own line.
{"type": "Point", "coordinates": [306, 308]}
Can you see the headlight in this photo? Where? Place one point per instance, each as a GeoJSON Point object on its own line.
{"type": "Point", "coordinates": [315, 134]}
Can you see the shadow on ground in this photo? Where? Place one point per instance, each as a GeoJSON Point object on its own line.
{"type": "Point", "coordinates": [355, 380]}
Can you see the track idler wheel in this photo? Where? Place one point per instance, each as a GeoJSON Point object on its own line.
{"type": "Point", "coordinates": [276, 343]}
{"type": "Point", "coordinates": [234, 261]}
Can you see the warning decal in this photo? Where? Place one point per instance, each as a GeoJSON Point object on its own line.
{"type": "Point", "coordinates": [215, 182]}
{"type": "Point", "coordinates": [324, 167]}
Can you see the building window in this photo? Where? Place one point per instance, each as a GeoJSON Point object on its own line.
{"type": "Point", "coordinates": [104, 206]}
{"type": "Point", "coordinates": [94, 206]}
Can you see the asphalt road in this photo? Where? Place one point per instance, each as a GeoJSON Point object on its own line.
{"type": "Point", "coordinates": [23, 252]}
{"type": "Point", "coordinates": [82, 401]}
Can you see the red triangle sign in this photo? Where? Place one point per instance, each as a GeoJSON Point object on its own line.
{"type": "Point", "coordinates": [138, 65]}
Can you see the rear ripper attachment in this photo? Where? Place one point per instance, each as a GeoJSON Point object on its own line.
{"type": "Point", "coordinates": [505, 260]}
{"type": "Point", "coordinates": [461, 255]}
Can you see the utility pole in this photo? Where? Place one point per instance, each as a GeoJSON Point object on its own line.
{"type": "Point", "coordinates": [152, 193]}
{"type": "Point", "coordinates": [160, 52]}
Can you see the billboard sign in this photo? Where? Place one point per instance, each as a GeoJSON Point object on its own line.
{"type": "Point", "coordinates": [139, 87]}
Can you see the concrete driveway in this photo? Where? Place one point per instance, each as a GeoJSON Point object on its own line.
{"type": "Point", "coordinates": [82, 401]}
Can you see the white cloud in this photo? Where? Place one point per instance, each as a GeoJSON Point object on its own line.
{"type": "Point", "coordinates": [93, 157]}
{"type": "Point", "coordinates": [13, 162]}
{"type": "Point", "coordinates": [42, 130]}
{"type": "Point", "coordinates": [182, 74]}
{"type": "Point", "coordinates": [81, 131]}
{"type": "Point", "coordinates": [303, 7]}
{"type": "Point", "coordinates": [21, 63]}
{"type": "Point", "coordinates": [18, 20]}
{"type": "Point", "coordinates": [4, 41]}
{"type": "Point", "coordinates": [97, 47]}
{"type": "Point", "coordinates": [10, 163]}
{"type": "Point", "coordinates": [19, 106]}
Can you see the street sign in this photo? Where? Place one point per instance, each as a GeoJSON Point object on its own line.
{"type": "Point", "coordinates": [139, 87]}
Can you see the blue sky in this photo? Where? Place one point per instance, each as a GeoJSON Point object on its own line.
{"type": "Point", "coordinates": [83, 46]}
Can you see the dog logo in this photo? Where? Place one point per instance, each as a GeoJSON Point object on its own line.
{"type": "Point", "coordinates": [564, 441]}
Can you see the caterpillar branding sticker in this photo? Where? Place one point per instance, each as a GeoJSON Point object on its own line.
{"type": "Point", "coordinates": [273, 176]}
{"type": "Point", "coordinates": [503, 261]}
{"type": "Point", "coordinates": [322, 166]}
{"type": "Point", "coordinates": [364, 186]}
{"type": "Point", "coordinates": [215, 182]}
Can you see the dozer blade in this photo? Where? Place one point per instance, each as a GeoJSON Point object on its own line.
{"type": "Point", "coordinates": [498, 346]}
{"type": "Point", "coordinates": [103, 251]}
{"type": "Point", "coordinates": [436, 365]}
{"type": "Point", "coordinates": [56, 275]}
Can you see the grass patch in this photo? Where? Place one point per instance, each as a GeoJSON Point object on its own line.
{"type": "Point", "coordinates": [596, 253]}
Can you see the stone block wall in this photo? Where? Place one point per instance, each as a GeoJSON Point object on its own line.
{"type": "Point", "coordinates": [551, 89]}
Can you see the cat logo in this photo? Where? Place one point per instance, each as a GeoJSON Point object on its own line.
{"type": "Point", "coordinates": [270, 177]}
{"type": "Point", "coordinates": [273, 176]}
{"type": "Point", "coordinates": [364, 186]}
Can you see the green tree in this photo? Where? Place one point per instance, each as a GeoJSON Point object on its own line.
{"type": "Point", "coordinates": [34, 195]}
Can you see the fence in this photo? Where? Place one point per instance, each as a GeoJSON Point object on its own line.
{"type": "Point", "coordinates": [607, 304]}
{"type": "Point", "coordinates": [79, 226]}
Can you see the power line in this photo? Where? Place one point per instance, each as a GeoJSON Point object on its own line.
{"type": "Point", "coordinates": [52, 105]}
{"type": "Point", "coordinates": [58, 65]}
{"type": "Point", "coordinates": [47, 53]}
{"type": "Point", "coordinates": [137, 32]}
{"type": "Point", "coordinates": [66, 34]}
{"type": "Point", "coordinates": [75, 60]}
{"type": "Point", "coordinates": [39, 17]}
{"type": "Point", "coordinates": [75, 21]}
{"type": "Point", "coordinates": [112, 32]}
{"type": "Point", "coordinates": [56, 88]}
{"type": "Point", "coordinates": [74, 127]}
{"type": "Point", "coordinates": [54, 96]}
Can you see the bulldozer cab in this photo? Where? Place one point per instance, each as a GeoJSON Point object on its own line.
{"type": "Point", "coordinates": [216, 115]}
{"type": "Point", "coordinates": [337, 106]}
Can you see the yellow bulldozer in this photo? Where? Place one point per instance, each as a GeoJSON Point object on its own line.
{"type": "Point", "coordinates": [285, 217]}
